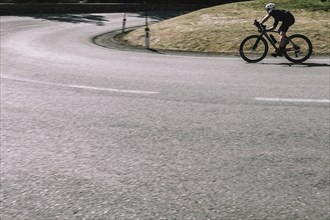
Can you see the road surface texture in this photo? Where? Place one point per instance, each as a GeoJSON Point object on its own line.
{"type": "Point", "coordinates": [95, 133]}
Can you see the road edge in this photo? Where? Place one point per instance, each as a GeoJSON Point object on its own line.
{"type": "Point", "coordinates": [110, 40]}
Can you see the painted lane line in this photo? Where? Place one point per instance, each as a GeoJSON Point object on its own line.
{"type": "Point", "coordinates": [111, 90]}
{"type": "Point", "coordinates": [292, 100]}
{"type": "Point", "coordinates": [78, 86]}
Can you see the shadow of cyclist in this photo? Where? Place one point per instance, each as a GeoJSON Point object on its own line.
{"type": "Point", "coordinates": [309, 64]}
{"type": "Point", "coordinates": [300, 64]}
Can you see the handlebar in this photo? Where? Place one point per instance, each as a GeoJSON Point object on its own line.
{"type": "Point", "coordinates": [261, 27]}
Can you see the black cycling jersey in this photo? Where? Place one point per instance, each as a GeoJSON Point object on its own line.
{"type": "Point", "coordinates": [282, 15]}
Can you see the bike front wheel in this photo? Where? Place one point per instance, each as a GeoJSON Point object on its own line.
{"type": "Point", "coordinates": [298, 48]}
{"type": "Point", "coordinates": [253, 48]}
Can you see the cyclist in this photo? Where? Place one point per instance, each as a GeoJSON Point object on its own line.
{"type": "Point", "coordinates": [287, 20]}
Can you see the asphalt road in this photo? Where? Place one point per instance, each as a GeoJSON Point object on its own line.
{"type": "Point", "coordinates": [94, 133]}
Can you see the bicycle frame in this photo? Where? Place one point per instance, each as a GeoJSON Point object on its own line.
{"type": "Point", "coordinates": [264, 32]}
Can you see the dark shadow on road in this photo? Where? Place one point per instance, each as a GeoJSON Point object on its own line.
{"type": "Point", "coordinates": [71, 18]}
{"type": "Point", "coordinates": [99, 19]}
{"type": "Point", "coordinates": [154, 51]}
{"type": "Point", "coordinates": [300, 64]}
{"type": "Point", "coordinates": [307, 64]}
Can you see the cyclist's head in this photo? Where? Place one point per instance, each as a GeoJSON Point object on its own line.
{"type": "Point", "coordinates": [270, 6]}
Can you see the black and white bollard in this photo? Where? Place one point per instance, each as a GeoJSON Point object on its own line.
{"type": "Point", "coordinates": [147, 31]}
{"type": "Point", "coordinates": [124, 23]}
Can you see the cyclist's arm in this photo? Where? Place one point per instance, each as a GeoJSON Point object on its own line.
{"type": "Point", "coordinates": [265, 19]}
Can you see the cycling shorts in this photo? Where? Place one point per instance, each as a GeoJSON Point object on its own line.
{"type": "Point", "coordinates": [287, 22]}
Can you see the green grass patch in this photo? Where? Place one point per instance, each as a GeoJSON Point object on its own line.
{"type": "Point", "coordinates": [309, 5]}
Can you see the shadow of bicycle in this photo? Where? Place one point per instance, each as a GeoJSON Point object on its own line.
{"type": "Point", "coordinates": [308, 64]}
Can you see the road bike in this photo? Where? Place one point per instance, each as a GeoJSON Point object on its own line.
{"type": "Point", "coordinates": [298, 48]}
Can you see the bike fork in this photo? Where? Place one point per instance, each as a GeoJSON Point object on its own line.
{"type": "Point", "coordinates": [255, 46]}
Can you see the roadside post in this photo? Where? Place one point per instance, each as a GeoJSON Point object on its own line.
{"type": "Point", "coordinates": [124, 23]}
{"type": "Point", "coordinates": [147, 30]}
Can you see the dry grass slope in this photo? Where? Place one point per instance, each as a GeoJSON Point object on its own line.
{"type": "Point", "coordinates": [220, 29]}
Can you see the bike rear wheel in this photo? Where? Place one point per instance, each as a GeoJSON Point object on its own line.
{"type": "Point", "coordinates": [253, 48]}
{"type": "Point", "coordinates": [298, 48]}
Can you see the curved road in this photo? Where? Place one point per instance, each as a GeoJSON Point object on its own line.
{"type": "Point", "coordinates": [94, 133]}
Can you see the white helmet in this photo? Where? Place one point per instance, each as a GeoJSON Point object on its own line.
{"type": "Point", "coordinates": [270, 6]}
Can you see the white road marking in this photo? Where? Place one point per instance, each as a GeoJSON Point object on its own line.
{"type": "Point", "coordinates": [78, 86]}
{"type": "Point", "coordinates": [292, 100]}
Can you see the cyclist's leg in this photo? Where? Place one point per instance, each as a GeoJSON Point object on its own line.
{"type": "Point", "coordinates": [282, 39]}
{"type": "Point", "coordinates": [284, 28]}
{"type": "Point", "coordinates": [282, 31]}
